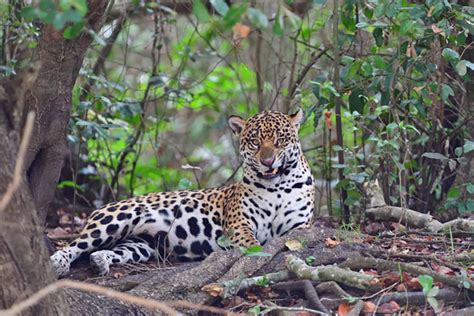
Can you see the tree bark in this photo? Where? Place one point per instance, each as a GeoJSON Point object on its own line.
{"type": "Point", "coordinates": [24, 261]}
{"type": "Point", "coordinates": [59, 61]}
{"type": "Point", "coordinates": [46, 90]}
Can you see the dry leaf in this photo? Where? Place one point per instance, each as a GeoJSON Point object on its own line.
{"type": "Point", "coordinates": [369, 307]}
{"type": "Point", "coordinates": [401, 288]}
{"type": "Point", "coordinates": [118, 275]}
{"type": "Point", "coordinates": [442, 269]}
{"type": "Point", "coordinates": [436, 29]}
{"type": "Point", "coordinates": [389, 308]}
{"type": "Point", "coordinates": [373, 228]}
{"type": "Point", "coordinates": [430, 12]}
{"type": "Point", "coordinates": [418, 89]}
{"type": "Point", "coordinates": [390, 278]}
{"type": "Point", "coordinates": [411, 51]}
{"type": "Point", "coordinates": [344, 309]}
{"type": "Point", "coordinates": [241, 31]}
{"type": "Point", "coordinates": [293, 245]}
{"type": "Point", "coordinates": [412, 284]}
{"type": "Point", "coordinates": [213, 289]}
{"type": "Point", "coordinates": [327, 119]}
{"type": "Point", "coordinates": [331, 242]}
{"type": "Point", "coordinates": [58, 232]}
{"type": "Point", "coordinates": [234, 301]}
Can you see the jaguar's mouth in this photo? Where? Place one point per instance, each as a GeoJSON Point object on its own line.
{"type": "Point", "coordinates": [272, 174]}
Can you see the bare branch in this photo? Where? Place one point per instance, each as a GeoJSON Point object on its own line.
{"type": "Point", "coordinates": [20, 160]}
{"type": "Point", "coordinates": [164, 307]}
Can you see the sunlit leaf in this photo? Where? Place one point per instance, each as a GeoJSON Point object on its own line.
{"type": "Point", "coordinates": [200, 11]}
{"type": "Point", "coordinates": [220, 6]}
{"type": "Point", "coordinates": [257, 18]}
{"type": "Point", "coordinates": [450, 54]}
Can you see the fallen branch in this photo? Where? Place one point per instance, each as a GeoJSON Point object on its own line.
{"type": "Point", "coordinates": [164, 307]}
{"type": "Point", "coordinates": [229, 288]}
{"type": "Point", "coordinates": [357, 308]}
{"type": "Point", "coordinates": [378, 210]}
{"type": "Point", "coordinates": [330, 273]}
{"type": "Point", "coordinates": [20, 160]}
{"type": "Point", "coordinates": [426, 257]}
{"type": "Point", "coordinates": [412, 218]}
{"type": "Point", "coordinates": [268, 306]}
{"type": "Point", "coordinates": [357, 263]}
{"type": "Point", "coordinates": [309, 291]}
{"type": "Point", "coordinates": [448, 294]}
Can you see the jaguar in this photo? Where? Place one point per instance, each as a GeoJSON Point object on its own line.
{"type": "Point", "coordinates": [275, 195]}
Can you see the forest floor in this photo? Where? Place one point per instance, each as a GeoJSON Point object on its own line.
{"type": "Point", "coordinates": [394, 270]}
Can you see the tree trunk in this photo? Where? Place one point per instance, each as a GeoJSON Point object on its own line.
{"type": "Point", "coordinates": [47, 91]}
{"type": "Point", "coordinates": [59, 61]}
{"type": "Point", "coordinates": [24, 261]}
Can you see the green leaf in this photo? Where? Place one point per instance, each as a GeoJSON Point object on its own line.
{"type": "Point", "coordinates": [310, 260]}
{"type": "Point", "coordinates": [378, 36]}
{"type": "Point", "coordinates": [380, 24]}
{"type": "Point", "coordinates": [390, 127]}
{"type": "Point", "coordinates": [468, 146]}
{"type": "Point", "coordinates": [436, 156]}
{"type": "Point", "coordinates": [255, 310]}
{"type": "Point", "coordinates": [184, 184]}
{"type": "Point", "coordinates": [59, 21]}
{"type": "Point", "coordinates": [200, 11]}
{"type": "Point", "coordinates": [466, 284]}
{"type": "Point", "coordinates": [97, 38]}
{"type": "Point", "coordinates": [254, 251]}
{"type": "Point", "coordinates": [319, 2]}
{"type": "Point", "coordinates": [461, 67]}
{"type": "Point", "coordinates": [72, 16]}
{"type": "Point", "coordinates": [220, 6]}
{"type": "Point", "coordinates": [278, 25]}
{"type": "Point", "coordinates": [233, 15]}
{"type": "Point", "coordinates": [450, 55]}
{"type": "Point", "coordinates": [357, 101]}
{"type": "Point", "coordinates": [29, 13]}
{"type": "Point", "coordinates": [362, 25]}
{"type": "Point", "coordinates": [470, 205]}
{"type": "Point", "coordinates": [446, 91]}
{"type": "Point", "coordinates": [433, 303]}
{"type": "Point", "coordinates": [257, 18]}
{"type": "Point", "coordinates": [454, 193]}
{"type": "Point", "coordinates": [470, 188]}
{"type": "Point", "coordinates": [469, 64]}
{"type": "Point", "coordinates": [426, 282]}
{"type": "Point", "coordinates": [79, 5]}
{"type": "Point", "coordinates": [73, 31]}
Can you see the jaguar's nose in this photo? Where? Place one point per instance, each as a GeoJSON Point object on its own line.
{"type": "Point", "coordinates": [268, 161]}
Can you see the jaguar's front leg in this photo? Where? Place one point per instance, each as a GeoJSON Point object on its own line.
{"type": "Point", "coordinates": [239, 231]}
{"type": "Point", "coordinates": [242, 235]}
{"type": "Point", "coordinates": [238, 228]}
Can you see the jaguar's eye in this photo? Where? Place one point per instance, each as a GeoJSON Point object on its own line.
{"type": "Point", "coordinates": [254, 142]}
{"type": "Point", "coordinates": [281, 141]}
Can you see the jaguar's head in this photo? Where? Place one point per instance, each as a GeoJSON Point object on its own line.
{"type": "Point", "coordinates": [269, 143]}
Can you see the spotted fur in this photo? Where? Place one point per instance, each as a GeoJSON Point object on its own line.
{"type": "Point", "coordinates": [275, 196]}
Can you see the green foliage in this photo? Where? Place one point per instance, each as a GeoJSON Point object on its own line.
{"type": "Point", "coordinates": [310, 260]}
{"type": "Point", "coordinates": [430, 291]}
{"type": "Point", "coordinates": [160, 100]}
{"type": "Point", "coordinates": [263, 281]}
{"type": "Point", "coordinates": [255, 310]}
{"type": "Point", "coordinates": [254, 251]}
{"type": "Point", "coordinates": [59, 14]}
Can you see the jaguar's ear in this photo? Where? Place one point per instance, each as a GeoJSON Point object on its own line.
{"type": "Point", "coordinates": [237, 124]}
{"type": "Point", "coordinates": [297, 118]}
